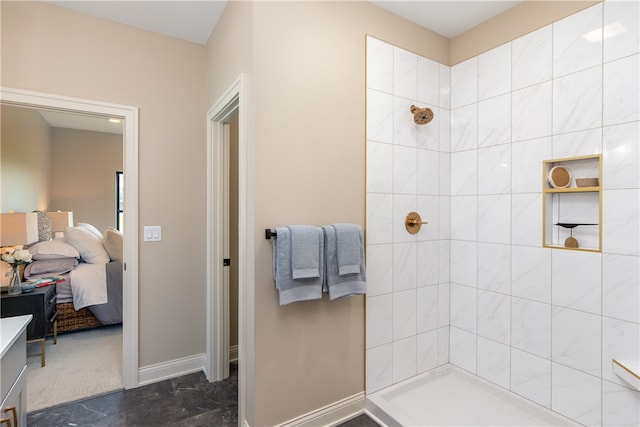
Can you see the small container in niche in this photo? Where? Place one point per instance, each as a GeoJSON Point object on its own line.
{"type": "Point", "coordinates": [559, 177]}
{"type": "Point", "coordinates": [587, 182]}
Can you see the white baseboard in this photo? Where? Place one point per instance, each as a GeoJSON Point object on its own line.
{"type": "Point", "coordinates": [331, 415]}
{"type": "Point", "coordinates": [171, 369]}
{"type": "Point", "coordinates": [233, 353]}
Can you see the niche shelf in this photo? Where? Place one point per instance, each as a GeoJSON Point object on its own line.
{"type": "Point", "coordinates": [572, 214]}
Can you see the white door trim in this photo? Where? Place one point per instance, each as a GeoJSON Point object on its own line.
{"type": "Point", "coordinates": [217, 352]}
{"type": "Point", "coordinates": [130, 147]}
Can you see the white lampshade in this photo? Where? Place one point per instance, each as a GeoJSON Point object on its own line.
{"type": "Point", "coordinates": [60, 220]}
{"type": "Point", "coordinates": [18, 228]}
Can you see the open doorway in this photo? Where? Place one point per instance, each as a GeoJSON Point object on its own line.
{"type": "Point", "coordinates": [79, 108]}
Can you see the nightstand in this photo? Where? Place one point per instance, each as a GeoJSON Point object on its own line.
{"type": "Point", "coordinates": [41, 303]}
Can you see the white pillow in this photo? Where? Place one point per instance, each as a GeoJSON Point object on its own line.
{"type": "Point", "coordinates": [52, 249]}
{"type": "Point", "coordinates": [90, 246]}
{"type": "Point", "coordinates": [90, 228]}
{"type": "Point", "coordinates": [112, 242]}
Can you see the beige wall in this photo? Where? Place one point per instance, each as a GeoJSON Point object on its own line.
{"type": "Point", "coordinates": [521, 19]}
{"type": "Point", "coordinates": [49, 49]}
{"type": "Point", "coordinates": [24, 160]}
{"type": "Point", "coordinates": [83, 175]}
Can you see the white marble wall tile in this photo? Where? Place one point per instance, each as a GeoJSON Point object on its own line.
{"type": "Point", "coordinates": [576, 340]}
{"type": "Point", "coordinates": [428, 172]}
{"type": "Point", "coordinates": [531, 327]}
{"type": "Point", "coordinates": [379, 116]}
{"type": "Point", "coordinates": [462, 349]}
{"type": "Point", "coordinates": [443, 346]}
{"type": "Point", "coordinates": [428, 207]}
{"type": "Point", "coordinates": [379, 167]}
{"type": "Point", "coordinates": [444, 129]}
{"type": "Point", "coordinates": [494, 362]}
{"type": "Point", "coordinates": [620, 405]}
{"type": "Point", "coordinates": [494, 72]}
{"type": "Point", "coordinates": [531, 377]}
{"type": "Point", "coordinates": [577, 41]}
{"type": "Point", "coordinates": [402, 205]}
{"type": "Point", "coordinates": [531, 273]}
{"type": "Point", "coordinates": [494, 267]}
{"type": "Point", "coordinates": [620, 341]}
{"type": "Point", "coordinates": [427, 263]}
{"type": "Point", "coordinates": [428, 81]}
{"type": "Point", "coordinates": [620, 222]}
{"type": "Point", "coordinates": [576, 395]}
{"type": "Point", "coordinates": [427, 351]}
{"type": "Point", "coordinates": [464, 256]}
{"type": "Point", "coordinates": [526, 220]}
{"type": "Point", "coordinates": [405, 131]}
{"type": "Point", "coordinates": [464, 301]}
{"type": "Point", "coordinates": [464, 217]}
{"type": "Point", "coordinates": [578, 143]}
{"type": "Point", "coordinates": [404, 359]}
{"type": "Point", "coordinates": [444, 217]}
{"type": "Point", "coordinates": [577, 101]}
{"type": "Point", "coordinates": [379, 320]}
{"type": "Point", "coordinates": [494, 121]}
{"type": "Point", "coordinates": [379, 218]}
{"type": "Point", "coordinates": [621, 24]}
{"type": "Point", "coordinates": [621, 91]}
{"type": "Point", "coordinates": [494, 219]}
{"type": "Point", "coordinates": [464, 83]}
{"type": "Point", "coordinates": [531, 113]}
{"type": "Point", "coordinates": [464, 173]}
{"type": "Point", "coordinates": [494, 316]}
{"type": "Point", "coordinates": [526, 170]}
{"type": "Point", "coordinates": [405, 73]}
{"type": "Point", "coordinates": [444, 261]}
{"type": "Point", "coordinates": [379, 269]}
{"type": "Point", "coordinates": [404, 266]}
{"type": "Point", "coordinates": [532, 58]}
{"type": "Point", "coordinates": [443, 305]}
{"type": "Point", "coordinates": [427, 309]}
{"type": "Point", "coordinates": [621, 156]}
{"type": "Point", "coordinates": [429, 134]}
{"type": "Point", "coordinates": [405, 170]}
{"type": "Point", "coordinates": [445, 86]}
{"type": "Point", "coordinates": [379, 368]}
{"type": "Point", "coordinates": [379, 65]}
{"type": "Point", "coordinates": [464, 128]}
{"type": "Point", "coordinates": [444, 180]}
{"type": "Point", "coordinates": [621, 287]}
{"type": "Point", "coordinates": [494, 169]}
{"type": "Point", "coordinates": [576, 280]}
{"type": "Point", "coordinates": [404, 314]}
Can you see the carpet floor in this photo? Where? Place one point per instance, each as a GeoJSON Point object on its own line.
{"type": "Point", "coordinates": [81, 365]}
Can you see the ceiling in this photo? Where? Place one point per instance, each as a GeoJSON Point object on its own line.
{"type": "Point", "coordinates": [195, 20]}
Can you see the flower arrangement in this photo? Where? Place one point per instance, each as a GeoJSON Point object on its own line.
{"type": "Point", "coordinates": [16, 257]}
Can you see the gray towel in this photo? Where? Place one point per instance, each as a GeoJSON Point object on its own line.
{"type": "Point", "coordinates": [349, 240]}
{"type": "Point", "coordinates": [290, 289]}
{"type": "Point", "coordinates": [305, 251]}
{"type": "Point", "coordinates": [341, 286]}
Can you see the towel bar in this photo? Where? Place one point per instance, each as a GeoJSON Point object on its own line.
{"type": "Point", "coordinates": [269, 233]}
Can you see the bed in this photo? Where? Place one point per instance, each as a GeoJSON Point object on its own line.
{"type": "Point", "coordinates": [90, 262]}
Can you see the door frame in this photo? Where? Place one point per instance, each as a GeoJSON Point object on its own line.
{"type": "Point", "coordinates": [233, 101]}
{"type": "Point", "coordinates": [129, 114]}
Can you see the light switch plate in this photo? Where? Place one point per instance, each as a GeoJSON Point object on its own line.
{"type": "Point", "coordinates": [152, 233]}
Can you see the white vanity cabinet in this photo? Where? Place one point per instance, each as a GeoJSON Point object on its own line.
{"type": "Point", "coordinates": [13, 370]}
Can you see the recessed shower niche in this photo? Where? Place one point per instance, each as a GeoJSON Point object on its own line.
{"type": "Point", "coordinates": [572, 203]}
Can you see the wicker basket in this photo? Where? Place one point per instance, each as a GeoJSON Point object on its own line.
{"type": "Point", "coordinates": [71, 320]}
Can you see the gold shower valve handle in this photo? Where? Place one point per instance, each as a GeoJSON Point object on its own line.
{"type": "Point", "coordinates": [413, 222]}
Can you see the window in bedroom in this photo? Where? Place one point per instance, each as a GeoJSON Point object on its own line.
{"type": "Point", "coordinates": [119, 200]}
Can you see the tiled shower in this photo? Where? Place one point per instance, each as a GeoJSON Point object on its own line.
{"type": "Point", "coordinates": [475, 287]}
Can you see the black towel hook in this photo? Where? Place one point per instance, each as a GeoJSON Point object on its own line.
{"type": "Point", "coordinates": [269, 233]}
